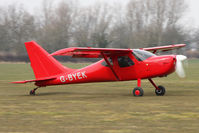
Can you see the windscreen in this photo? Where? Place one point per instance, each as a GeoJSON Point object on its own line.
{"type": "Point", "coordinates": [141, 55]}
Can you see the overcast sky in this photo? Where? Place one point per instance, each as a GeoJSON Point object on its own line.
{"type": "Point", "coordinates": [192, 16]}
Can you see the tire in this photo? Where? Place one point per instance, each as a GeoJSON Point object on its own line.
{"type": "Point", "coordinates": [138, 91]}
{"type": "Point", "coordinates": [161, 91]}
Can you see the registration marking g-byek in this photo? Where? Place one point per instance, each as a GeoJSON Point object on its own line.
{"type": "Point", "coordinates": [73, 76]}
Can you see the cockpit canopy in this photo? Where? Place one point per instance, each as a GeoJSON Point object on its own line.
{"type": "Point", "coordinates": [142, 55]}
{"type": "Point", "coordinates": [125, 61]}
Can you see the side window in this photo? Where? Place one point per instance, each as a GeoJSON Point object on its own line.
{"type": "Point", "coordinates": [105, 64]}
{"type": "Point", "coordinates": [125, 61]}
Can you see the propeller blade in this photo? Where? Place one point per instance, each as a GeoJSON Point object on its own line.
{"type": "Point", "coordinates": [181, 57]}
{"type": "Point", "coordinates": [179, 67]}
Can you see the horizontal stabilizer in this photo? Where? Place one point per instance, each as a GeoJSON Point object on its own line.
{"type": "Point", "coordinates": [34, 80]}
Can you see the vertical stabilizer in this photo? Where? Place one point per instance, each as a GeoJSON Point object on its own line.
{"type": "Point", "coordinates": [42, 63]}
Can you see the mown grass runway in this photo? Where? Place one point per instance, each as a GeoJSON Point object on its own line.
{"type": "Point", "coordinates": [98, 107]}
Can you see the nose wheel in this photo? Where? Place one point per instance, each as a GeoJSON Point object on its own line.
{"type": "Point", "coordinates": [160, 91]}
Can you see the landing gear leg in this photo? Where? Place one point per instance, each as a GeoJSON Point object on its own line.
{"type": "Point", "coordinates": [159, 90]}
{"type": "Point", "coordinates": [138, 91]}
{"type": "Point", "coordinates": [32, 92]}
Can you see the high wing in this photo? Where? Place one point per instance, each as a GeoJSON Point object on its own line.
{"type": "Point", "coordinates": [88, 52]}
{"type": "Point", "coordinates": [163, 48]}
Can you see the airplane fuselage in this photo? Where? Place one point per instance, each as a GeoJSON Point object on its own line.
{"type": "Point", "coordinates": [155, 66]}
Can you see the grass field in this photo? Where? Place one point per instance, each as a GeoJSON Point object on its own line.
{"type": "Point", "coordinates": [98, 107]}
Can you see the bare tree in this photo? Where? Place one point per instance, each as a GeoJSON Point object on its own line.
{"type": "Point", "coordinates": [45, 23]}
{"type": "Point", "coordinates": [92, 27]}
{"type": "Point", "coordinates": [119, 34]}
{"type": "Point", "coordinates": [17, 27]}
{"type": "Point", "coordinates": [149, 20]}
{"type": "Point", "coordinates": [62, 24]}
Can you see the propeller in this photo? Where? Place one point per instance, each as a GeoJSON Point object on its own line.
{"type": "Point", "coordinates": [179, 68]}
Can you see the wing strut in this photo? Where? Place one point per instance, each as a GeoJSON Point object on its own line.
{"type": "Point", "coordinates": [110, 66]}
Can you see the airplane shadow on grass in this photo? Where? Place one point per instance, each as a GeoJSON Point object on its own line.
{"type": "Point", "coordinates": [111, 95]}
{"type": "Point", "coordinates": [80, 94]}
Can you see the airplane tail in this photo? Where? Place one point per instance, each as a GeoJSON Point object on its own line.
{"type": "Point", "coordinates": [42, 63]}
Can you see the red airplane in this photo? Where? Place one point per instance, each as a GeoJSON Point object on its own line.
{"type": "Point", "coordinates": [116, 65]}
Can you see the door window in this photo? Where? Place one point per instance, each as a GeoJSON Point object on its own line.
{"type": "Point", "coordinates": [125, 61]}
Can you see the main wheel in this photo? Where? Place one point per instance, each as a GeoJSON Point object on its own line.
{"type": "Point", "coordinates": [161, 91]}
{"type": "Point", "coordinates": [138, 91]}
{"type": "Point", "coordinates": [32, 92]}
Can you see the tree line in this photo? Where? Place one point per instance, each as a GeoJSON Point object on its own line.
{"type": "Point", "coordinates": [141, 23]}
